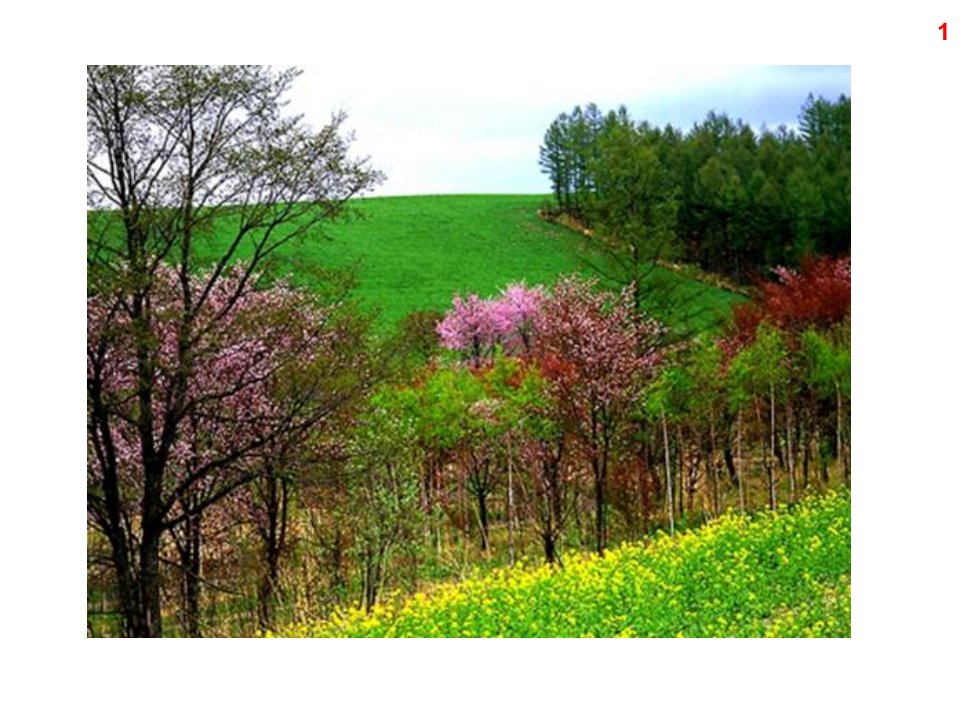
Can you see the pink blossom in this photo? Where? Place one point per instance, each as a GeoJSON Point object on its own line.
{"type": "Point", "coordinates": [241, 341]}
{"type": "Point", "coordinates": [476, 326]}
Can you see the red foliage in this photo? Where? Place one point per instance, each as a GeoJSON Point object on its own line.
{"type": "Point", "coordinates": [555, 369]}
{"type": "Point", "coordinates": [746, 319]}
{"type": "Point", "coordinates": [817, 295]}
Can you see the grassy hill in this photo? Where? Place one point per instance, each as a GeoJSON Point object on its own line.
{"type": "Point", "coordinates": [781, 574]}
{"type": "Point", "coordinates": [416, 252]}
{"type": "Point", "coordinates": [413, 253]}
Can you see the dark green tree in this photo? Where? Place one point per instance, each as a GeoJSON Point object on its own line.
{"type": "Point", "coordinates": [634, 209]}
{"type": "Point", "coordinates": [739, 202]}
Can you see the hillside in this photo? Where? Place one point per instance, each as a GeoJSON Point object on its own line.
{"type": "Point", "coordinates": [413, 253]}
{"type": "Point", "coordinates": [777, 575]}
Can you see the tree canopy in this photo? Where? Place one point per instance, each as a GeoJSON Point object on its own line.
{"type": "Point", "coordinates": [721, 195]}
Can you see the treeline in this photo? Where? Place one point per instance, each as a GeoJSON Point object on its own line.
{"type": "Point", "coordinates": [721, 195]}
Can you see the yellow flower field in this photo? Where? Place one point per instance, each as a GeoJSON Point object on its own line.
{"type": "Point", "coordinates": [783, 574]}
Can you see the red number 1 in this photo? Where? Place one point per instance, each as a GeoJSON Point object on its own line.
{"type": "Point", "coordinates": [944, 28]}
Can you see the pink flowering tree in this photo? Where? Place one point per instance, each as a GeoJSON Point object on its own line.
{"type": "Point", "coordinates": [191, 167]}
{"type": "Point", "coordinates": [476, 327]}
{"type": "Point", "coordinates": [181, 408]}
{"type": "Point", "coordinates": [520, 308]}
{"type": "Point", "coordinates": [595, 351]}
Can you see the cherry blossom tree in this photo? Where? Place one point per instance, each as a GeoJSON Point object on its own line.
{"type": "Point", "coordinates": [164, 448]}
{"type": "Point", "coordinates": [477, 326]}
{"type": "Point", "coordinates": [595, 351]}
{"type": "Point", "coordinates": [191, 167]}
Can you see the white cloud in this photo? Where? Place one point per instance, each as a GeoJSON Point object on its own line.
{"type": "Point", "coordinates": [477, 127]}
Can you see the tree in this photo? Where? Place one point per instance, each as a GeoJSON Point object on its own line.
{"type": "Point", "coordinates": [477, 327]}
{"type": "Point", "coordinates": [339, 374]}
{"type": "Point", "coordinates": [567, 154]}
{"type": "Point", "coordinates": [383, 493]}
{"type": "Point", "coordinates": [826, 130]}
{"type": "Point", "coordinates": [539, 440]}
{"type": "Point", "coordinates": [760, 372]}
{"type": "Point", "coordinates": [555, 159]}
{"type": "Point", "coordinates": [457, 419]}
{"type": "Point", "coordinates": [634, 211]}
{"type": "Point", "coordinates": [815, 295]}
{"type": "Point", "coordinates": [239, 399]}
{"type": "Point", "coordinates": [721, 196]}
{"type": "Point", "coordinates": [593, 350]}
{"type": "Point", "coordinates": [824, 359]}
{"type": "Point", "coordinates": [188, 166]}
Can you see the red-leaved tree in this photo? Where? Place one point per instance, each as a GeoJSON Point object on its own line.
{"type": "Point", "coordinates": [817, 295]}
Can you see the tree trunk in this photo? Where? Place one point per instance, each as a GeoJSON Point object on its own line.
{"type": "Point", "coordinates": [126, 585]}
{"type": "Point", "coordinates": [666, 453]}
{"type": "Point", "coordinates": [370, 580]}
{"type": "Point", "coordinates": [599, 446]}
{"type": "Point", "coordinates": [578, 513]}
{"type": "Point", "coordinates": [791, 465]}
{"type": "Point", "coordinates": [510, 504]}
{"type": "Point", "coordinates": [731, 462]}
{"type": "Point", "coordinates": [276, 497]}
{"type": "Point", "coordinates": [375, 556]}
{"type": "Point", "coordinates": [149, 622]}
{"type": "Point", "coordinates": [600, 432]}
{"type": "Point", "coordinates": [338, 580]}
{"type": "Point", "coordinates": [679, 475]}
{"type": "Point", "coordinates": [693, 473]}
{"type": "Point", "coordinates": [598, 487]}
{"type": "Point", "coordinates": [599, 466]}
{"type": "Point", "coordinates": [713, 471]}
{"type": "Point", "coordinates": [825, 462]}
{"type": "Point", "coordinates": [841, 450]}
{"type": "Point", "coordinates": [646, 487]}
{"type": "Point", "coordinates": [771, 472]}
{"type": "Point", "coordinates": [549, 545]}
{"type": "Point", "coordinates": [740, 491]}
{"type": "Point", "coordinates": [765, 455]}
{"type": "Point", "coordinates": [188, 548]}
{"type": "Point", "coordinates": [265, 595]}
{"type": "Point", "coordinates": [484, 521]}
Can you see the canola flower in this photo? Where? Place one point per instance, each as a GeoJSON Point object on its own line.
{"type": "Point", "coordinates": [779, 574]}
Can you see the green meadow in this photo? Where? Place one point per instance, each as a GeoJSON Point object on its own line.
{"type": "Point", "coordinates": [413, 253]}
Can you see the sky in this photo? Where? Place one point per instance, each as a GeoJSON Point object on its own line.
{"type": "Point", "coordinates": [471, 136]}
